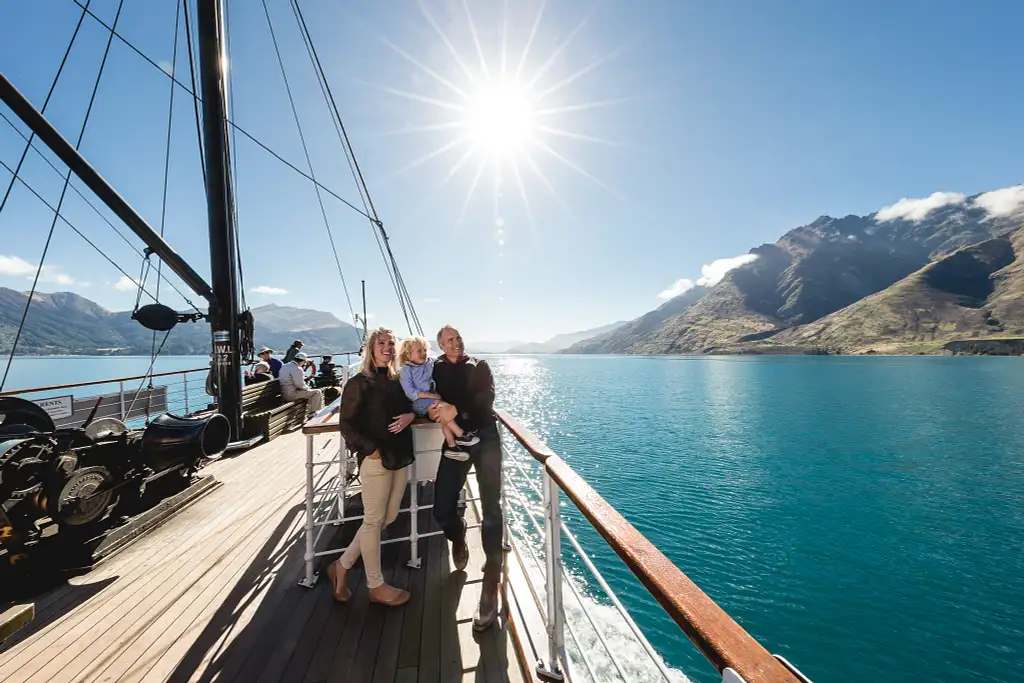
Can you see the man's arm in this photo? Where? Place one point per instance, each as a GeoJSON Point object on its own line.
{"type": "Point", "coordinates": [481, 398]}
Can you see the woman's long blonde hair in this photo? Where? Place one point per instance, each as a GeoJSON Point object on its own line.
{"type": "Point", "coordinates": [406, 347]}
{"type": "Point", "coordinates": [368, 366]}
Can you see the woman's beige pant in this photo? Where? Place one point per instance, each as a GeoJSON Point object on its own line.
{"type": "Point", "coordinates": [382, 495]}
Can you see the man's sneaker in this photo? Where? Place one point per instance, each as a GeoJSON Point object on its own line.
{"type": "Point", "coordinates": [456, 454]}
{"type": "Point", "coordinates": [467, 439]}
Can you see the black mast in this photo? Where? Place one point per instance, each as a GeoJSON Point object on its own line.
{"type": "Point", "coordinates": [224, 315]}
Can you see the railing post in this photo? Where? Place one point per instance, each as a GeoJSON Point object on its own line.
{"type": "Point", "coordinates": [121, 393]}
{"type": "Point", "coordinates": [414, 521]}
{"type": "Point", "coordinates": [184, 379]}
{"type": "Point", "coordinates": [310, 579]}
{"type": "Point", "coordinates": [551, 668]}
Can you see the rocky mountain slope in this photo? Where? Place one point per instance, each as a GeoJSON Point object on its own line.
{"type": "Point", "coordinates": [818, 269]}
{"type": "Point", "coordinates": [976, 291]}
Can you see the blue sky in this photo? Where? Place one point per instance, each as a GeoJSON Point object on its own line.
{"type": "Point", "coordinates": [676, 133]}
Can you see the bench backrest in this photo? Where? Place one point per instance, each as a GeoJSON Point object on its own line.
{"type": "Point", "coordinates": [261, 393]}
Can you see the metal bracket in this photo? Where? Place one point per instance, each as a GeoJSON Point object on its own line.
{"type": "Point", "coordinates": [730, 676]}
{"type": "Point", "coordinates": [309, 583]}
{"type": "Point", "coordinates": [414, 564]}
{"type": "Point", "coordinates": [547, 674]}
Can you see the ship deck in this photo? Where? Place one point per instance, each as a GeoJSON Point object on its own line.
{"type": "Point", "coordinates": [213, 595]}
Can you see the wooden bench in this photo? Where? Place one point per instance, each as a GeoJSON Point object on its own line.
{"type": "Point", "coordinates": [266, 413]}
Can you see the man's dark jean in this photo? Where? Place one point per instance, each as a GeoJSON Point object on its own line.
{"type": "Point", "coordinates": [451, 477]}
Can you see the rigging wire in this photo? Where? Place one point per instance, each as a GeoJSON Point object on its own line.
{"type": "Point", "coordinates": [68, 223]}
{"type": "Point", "coordinates": [81, 195]}
{"type": "Point", "coordinates": [192, 76]}
{"type": "Point", "coordinates": [192, 93]}
{"type": "Point", "coordinates": [233, 171]}
{"type": "Point", "coordinates": [390, 263]}
{"type": "Point", "coordinates": [53, 86]}
{"type": "Point", "coordinates": [167, 171]}
{"type": "Point", "coordinates": [60, 203]}
{"type": "Point", "coordinates": [309, 161]}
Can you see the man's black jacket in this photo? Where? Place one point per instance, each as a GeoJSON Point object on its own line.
{"type": "Point", "coordinates": [469, 386]}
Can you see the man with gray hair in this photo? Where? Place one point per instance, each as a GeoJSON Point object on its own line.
{"type": "Point", "coordinates": [466, 387]}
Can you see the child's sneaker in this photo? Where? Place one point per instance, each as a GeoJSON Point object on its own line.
{"type": "Point", "coordinates": [467, 439]}
{"type": "Point", "coordinates": [456, 454]}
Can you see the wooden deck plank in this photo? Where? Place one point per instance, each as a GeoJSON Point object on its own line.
{"type": "Point", "coordinates": [213, 596]}
{"type": "Point", "coordinates": [430, 630]}
{"type": "Point", "coordinates": [133, 560]}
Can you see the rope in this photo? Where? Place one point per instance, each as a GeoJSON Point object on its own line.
{"type": "Point", "coordinates": [60, 203]}
{"type": "Point", "coordinates": [309, 161]}
{"type": "Point", "coordinates": [24, 152]}
{"type": "Point", "coordinates": [92, 206]}
{"type": "Point", "coordinates": [72, 226]}
{"type": "Point", "coordinates": [167, 171]}
{"type": "Point", "coordinates": [233, 175]}
{"type": "Point", "coordinates": [192, 93]}
{"type": "Point", "coordinates": [390, 263]}
{"type": "Point", "coordinates": [192, 75]}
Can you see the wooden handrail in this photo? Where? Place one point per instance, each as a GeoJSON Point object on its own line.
{"type": "Point", "coordinates": [110, 381]}
{"type": "Point", "coordinates": [719, 638]}
{"type": "Point", "coordinates": [113, 380]}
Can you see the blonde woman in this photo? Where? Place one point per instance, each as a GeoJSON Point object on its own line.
{"type": "Point", "coordinates": [375, 415]}
{"type": "Point", "coordinates": [416, 375]}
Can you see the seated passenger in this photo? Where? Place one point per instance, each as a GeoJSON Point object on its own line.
{"type": "Point", "coordinates": [294, 387]}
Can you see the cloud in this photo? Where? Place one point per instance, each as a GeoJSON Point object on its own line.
{"type": "Point", "coordinates": [264, 289]}
{"type": "Point", "coordinates": [52, 275]}
{"type": "Point", "coordinates": [126, 284]}
{"type": "Point", "coordinates": [918, 209]}
{"type": "Point", "coordinates": [431, 300]}
{"type": "Point", "coordinates": [14, 265]}
{"type": "Point", "coordinates": [1004, 202]}
{"type": "Point", "coordinates": [712, 274]}
{"type": "Point", "coordinates": [680, 286]}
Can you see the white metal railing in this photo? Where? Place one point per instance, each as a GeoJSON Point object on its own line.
{"type": "Point", "coordinates": [544, 547]}
{"type": "Point", "coordinates": [135, 400]}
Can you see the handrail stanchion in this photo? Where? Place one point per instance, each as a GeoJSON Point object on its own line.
{"type": "Point", "coordinates": [184, 379]}
{"type": "Point", "coordinates": [310, 580]}
{"type": "Point", "coordinates": [555, 618]}
{"type": "Point", "coordinates": [414, 521]}
{"type": "Point", "coordinates": [121, 392]}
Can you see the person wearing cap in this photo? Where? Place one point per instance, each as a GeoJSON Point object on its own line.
{"type": "Point", "coordinates": [294, 387]}
{"type": "Point", "coordinates": [289, 355]}
{"type": "Point", "coordinates": [266, 357]}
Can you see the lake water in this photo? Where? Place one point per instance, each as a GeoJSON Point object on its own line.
{"type": "Point", "coordinates": [863, 517]}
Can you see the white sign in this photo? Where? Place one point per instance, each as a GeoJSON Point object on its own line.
{"type": "Point", "coordinates": [57, 407]}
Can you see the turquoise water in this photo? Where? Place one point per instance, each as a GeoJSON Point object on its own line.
{"type": "Point", "coordinates": [860, 516]}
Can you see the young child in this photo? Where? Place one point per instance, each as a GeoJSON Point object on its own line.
{"type": "Point", "coordinates": [416, 376]}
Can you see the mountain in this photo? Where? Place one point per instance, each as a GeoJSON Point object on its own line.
{"type": "Point", "coordinates": [621, 338]}
{"type": "Point", "coordinates": [564, 341]}
{"type": "Point", "coordinates": [810, 273]}
{"type": "Point", "coordinates": [66, 323]}
{"type": "Point", "coordinates": [977, 291]}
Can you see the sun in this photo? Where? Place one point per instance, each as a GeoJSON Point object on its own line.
{"type": "Point", "coordinates": [500, 119]}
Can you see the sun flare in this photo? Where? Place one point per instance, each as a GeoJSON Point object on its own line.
{"type": "Point", "coordinates": [503, 114]}
{"type": "Point", "coordinates": [500, 118]}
